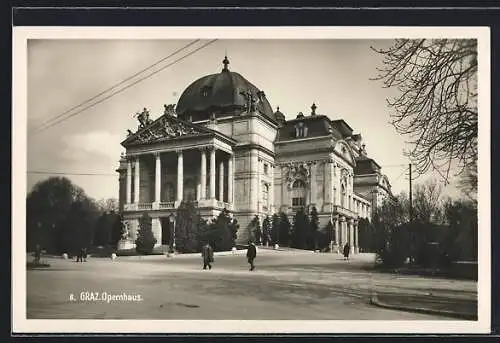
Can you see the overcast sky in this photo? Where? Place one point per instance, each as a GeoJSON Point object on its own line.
{"type": "Point", "coordinates": [334, 74]}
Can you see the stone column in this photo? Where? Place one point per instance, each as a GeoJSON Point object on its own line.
{"type": "Point", "coordinates": [339, 227]}
{"type": "Point", "coordinates": [157, 178]}
{"type": "Point", "coordinates": [221, 180]}
{"type": "Point", "coordinates": [230, 179]}
{"type": "Point", "coordinates": [212, 173]}
{"type": "Point", "coordinates": [351, 235]}
{"type": "Point", "coordinates": [129, 181]}
{"type": "Point", "coordinates": [341, 234]}
{"type": "Point", "coordinates": [335, 233]}
{"type": "Point", "coordinates": [203, 174]}
{"type": "Point", "coordinates": [137, 180]}
{"type": "Point", "coordinates": [180, 175]}
{"type": "Point", "coordinates": [356, 237]}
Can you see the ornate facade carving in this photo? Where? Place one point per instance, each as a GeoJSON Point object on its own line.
{"type": "Point", "coordinates": [169, 110]}
{"type": "Point", "coordinates": [125, 229]}
{"type": "Point", "coordinates": [297, 170]}
{"type": "Point", "coordinates": [143, 118]}
{"type": "Point", "coordinates": [251, 100]}
{"type": "Point", "coordinates": [164, 129]}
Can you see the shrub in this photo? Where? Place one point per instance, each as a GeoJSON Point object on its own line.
{"type": "Point", "coordinates": [187, 225]}
{"type": "Point", "coordinates": [145, 241]}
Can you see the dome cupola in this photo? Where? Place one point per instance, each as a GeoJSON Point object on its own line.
{"type": "Point", "coordinates": [224, 94]}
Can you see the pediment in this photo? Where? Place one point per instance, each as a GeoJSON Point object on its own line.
{"type": "Point", "coordinates": [165, 128]}
{"type": "Point", "coordinates": [344, 150]}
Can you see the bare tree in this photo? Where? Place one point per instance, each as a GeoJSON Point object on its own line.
{"type": "Point", "coordinates": [108, 205]}
{"type": "Point", "coordinates": [427, 204]}
{"type": "Point", "coordinates": [437, 103]}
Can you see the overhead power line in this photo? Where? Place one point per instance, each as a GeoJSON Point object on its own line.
{"type": "Point", "coordinates": [116, 85]}
{"type": "Point", "coordinates": [59, 120]}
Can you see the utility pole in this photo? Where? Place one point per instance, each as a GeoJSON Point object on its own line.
{"type": "Point", "coordinates": [411, 201]}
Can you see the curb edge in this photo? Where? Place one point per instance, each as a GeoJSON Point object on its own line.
{"type": "Point", "coordinates": [460, 315]}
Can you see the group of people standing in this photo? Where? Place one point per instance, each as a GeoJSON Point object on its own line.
{"type": "Point", "coordinates": [207, 253]}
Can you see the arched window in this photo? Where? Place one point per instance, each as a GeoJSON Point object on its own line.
{"type": "Point", "coordinates": [265, 195]}
{"type": "Point", "coordinates": [168, 192]}
{"type": "Point", "coordinates": [343, 196]}
{"type": "Point", "coordinates": [334, 196]}
{"type": "Point", "coordinates": [298, 193]}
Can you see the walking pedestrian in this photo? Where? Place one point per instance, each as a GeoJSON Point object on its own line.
{"type": "Point", "coordinates": [38, 253]}
{"type": "Point", "coordinates": [207, 254]}
{"type": "Point", "coordinates": [347, 249]}
{"type": "Point", "coordinates": [251, 254]}
{"type": "Point", "coordinates": [79, 255]}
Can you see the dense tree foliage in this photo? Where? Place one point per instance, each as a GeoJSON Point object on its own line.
{"type": "Point", "coordinates": [301, 233]}
{"type": "Point", "coordinates": [187, 227]}
{"type": "Point", "coordinates": [314, 230]}
{"type": "Point", "coordinates": [285, 230]}
{"type": "Point", "coordinates": [221, 233]}
{"type": "Point", "coordinates": [266, 231]}
{"type": "Point", "coordinates": [438, 234]}
{"type": "Point", "coordinates": [60, 216]}
{"type": "Point", "coordinates": [255, 231]}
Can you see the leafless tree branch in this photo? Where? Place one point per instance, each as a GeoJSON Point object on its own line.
{"type": "Point", "coordinates": [437, 103]}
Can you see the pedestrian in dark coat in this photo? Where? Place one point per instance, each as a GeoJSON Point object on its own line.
{"type": "Point", "coordinates": [347, 249]}
{"type": "Point", "coordinates": [207, 254]}
{"type": "Point", "coordinates": [38, 253]}
{"type": "Point", "coordinates": [82, 255]}
{"type": "Point", "coordinates": [251, 254]}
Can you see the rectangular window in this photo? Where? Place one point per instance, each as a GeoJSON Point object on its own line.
{"type": "Point", "coordinates": [266, 169]}
{"type": "Point", "coordinates": [298, 202]}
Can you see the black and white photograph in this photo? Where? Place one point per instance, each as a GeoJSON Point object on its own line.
{"type": "Point", "coordinates": [251, 180]}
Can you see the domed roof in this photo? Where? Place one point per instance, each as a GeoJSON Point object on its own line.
{"type": "Point", "coordinates": [221, 94]}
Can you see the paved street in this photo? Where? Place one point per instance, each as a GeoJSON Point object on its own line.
{"type": "Point", "coordinates": [286, 285]}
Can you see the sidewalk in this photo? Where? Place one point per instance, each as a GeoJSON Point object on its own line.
{"type": "Point", "coordinates": [435, 305]}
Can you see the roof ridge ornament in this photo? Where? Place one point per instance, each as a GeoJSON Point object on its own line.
{"type": "Point", "coordinates": [313, 109]}
{"type": "Point", "coordinates": [226, 63]}
{"type": "Point", "coordinates": [143, 118]}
